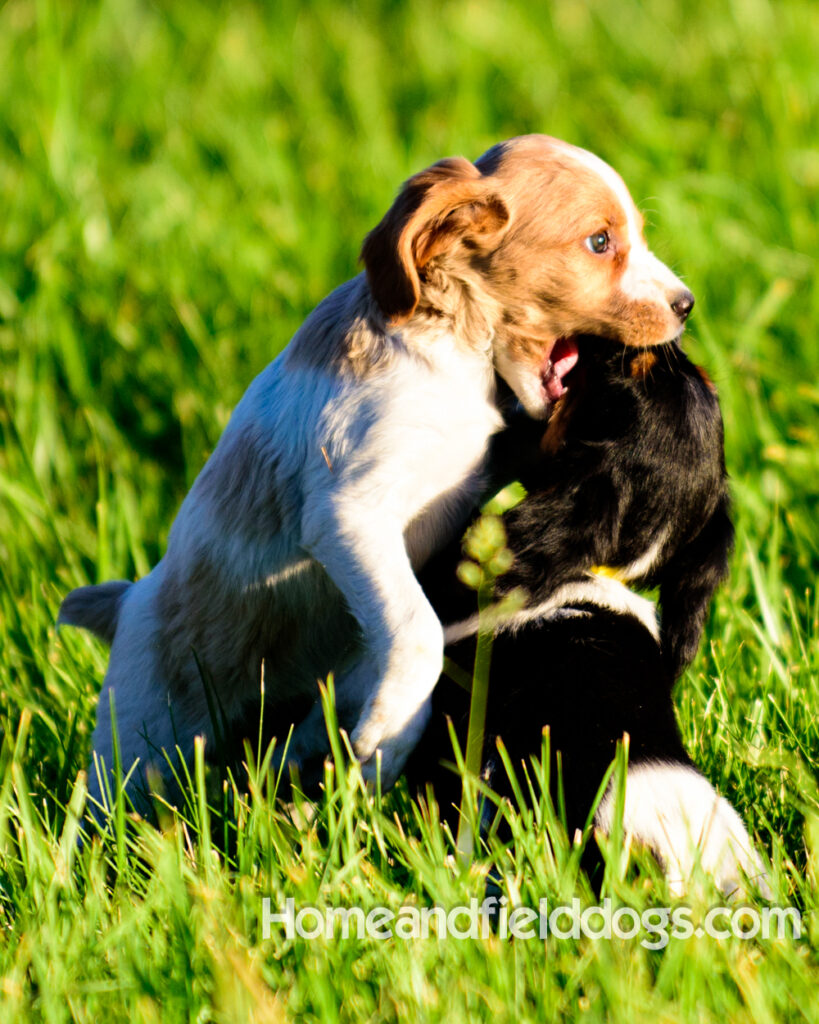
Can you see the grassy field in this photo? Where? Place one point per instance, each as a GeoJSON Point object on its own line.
{"type": "Point", "coordinates": [180, 183]}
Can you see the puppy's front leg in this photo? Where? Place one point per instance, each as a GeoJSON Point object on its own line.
{"type": "Point", "coordinates": [367, 559]}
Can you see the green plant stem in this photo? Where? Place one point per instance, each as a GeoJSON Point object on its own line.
{"type": "Point", "coordinates": [477, 713]}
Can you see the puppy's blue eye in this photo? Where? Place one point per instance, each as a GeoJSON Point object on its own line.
{"type": "Point", "coordinates": [598, 242]}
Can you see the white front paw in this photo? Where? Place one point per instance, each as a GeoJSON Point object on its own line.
{"type": "Point", "coordinates": [391, 731]}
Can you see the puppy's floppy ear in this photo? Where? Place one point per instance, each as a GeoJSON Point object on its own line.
{"type": "Point", "coordinates": [447, 203]}
{"type": "Point", "coordinates": [687, 585]}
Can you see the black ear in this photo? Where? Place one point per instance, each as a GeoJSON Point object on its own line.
{"type": "Point", "coordinates": [687, 585]}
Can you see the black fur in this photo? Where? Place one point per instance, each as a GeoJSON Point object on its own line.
{"type": "Point", "coordinates": [639, 459]}
{"type": "Point", "coordinates": [635, 456]}
{"type": "Point", "coordinates": [590, 678]}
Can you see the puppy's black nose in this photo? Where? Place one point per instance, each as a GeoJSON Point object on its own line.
{"type": "Point", "coordinates": [683, 305]}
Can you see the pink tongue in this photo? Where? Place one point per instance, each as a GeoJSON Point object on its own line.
{"type": "Point", "coordinates": [563, 358]}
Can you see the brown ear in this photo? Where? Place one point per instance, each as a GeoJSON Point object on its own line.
{"type": "Point", "coordinates": [446, 203]}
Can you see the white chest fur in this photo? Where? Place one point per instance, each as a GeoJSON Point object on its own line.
{"type": "Point", "coordinates": [410, 441]}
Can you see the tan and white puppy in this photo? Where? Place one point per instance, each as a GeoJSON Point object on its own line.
{"type": "Point", "coordinates": [353, 455]}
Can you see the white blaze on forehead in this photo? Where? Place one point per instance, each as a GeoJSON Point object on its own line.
{"type": "Point", "coordinates": [613, 181]}
{"type": "Point", "coordinates": [645, 278]}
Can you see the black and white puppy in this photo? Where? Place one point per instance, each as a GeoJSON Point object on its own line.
{"type": "Point", "coordinates": [629, 476]}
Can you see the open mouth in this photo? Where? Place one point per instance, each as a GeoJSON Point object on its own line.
{"type": "Point", "coordinates": [562, 359]}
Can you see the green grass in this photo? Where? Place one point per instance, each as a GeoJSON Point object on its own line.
{"type": "Point", "coordinates": [179, 184]}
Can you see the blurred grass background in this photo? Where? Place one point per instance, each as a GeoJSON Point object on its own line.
{"type": "Point", "coordinates": [181, 182]}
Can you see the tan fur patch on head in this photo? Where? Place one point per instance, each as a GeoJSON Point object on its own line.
{"type": "Point", "coordinates": [543, 274]}
{"type": "Point", "coordinates": [496, 252]}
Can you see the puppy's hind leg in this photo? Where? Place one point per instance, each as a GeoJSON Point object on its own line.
{"type": "Point", "coordinates": [148, 725]}
{"type": "Point", "coordinates": [141, 724]}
